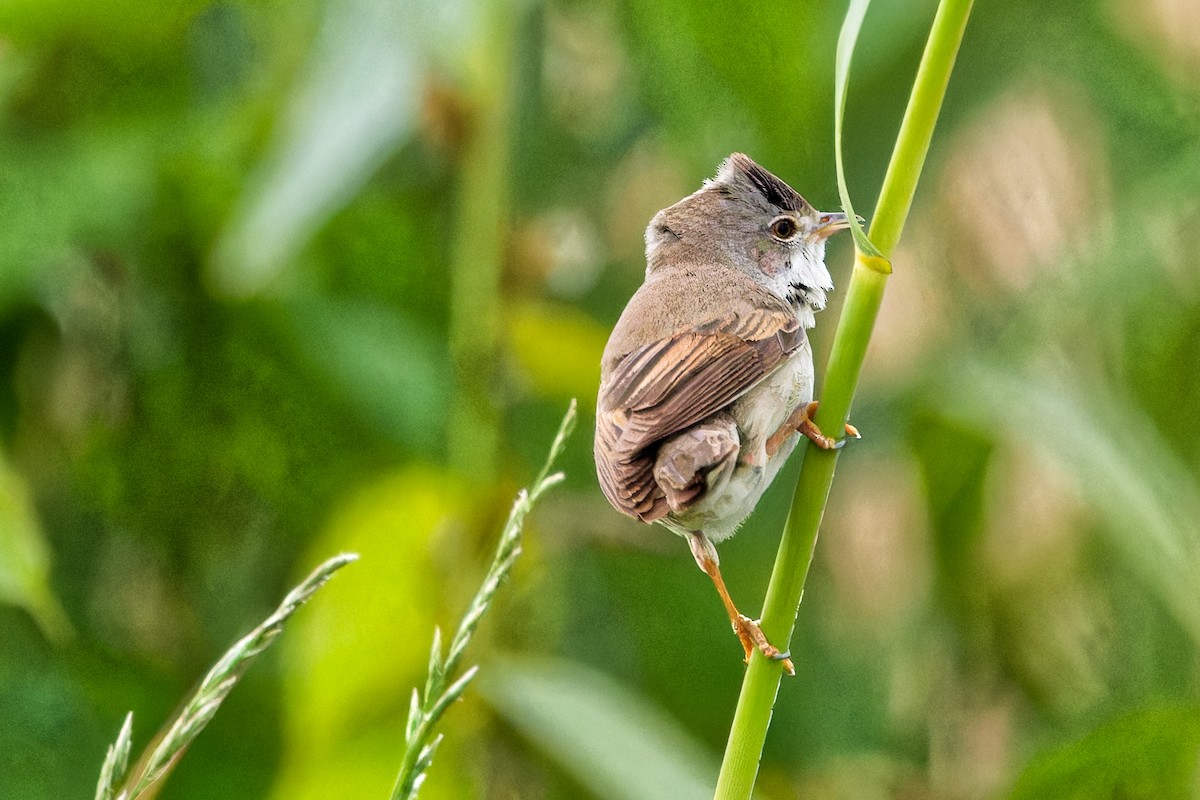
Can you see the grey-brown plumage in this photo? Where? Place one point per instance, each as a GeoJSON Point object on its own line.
{"type": "Point", "coordinates": [685, 373]}
{"type": "Point", "coordinates": [708, 373]}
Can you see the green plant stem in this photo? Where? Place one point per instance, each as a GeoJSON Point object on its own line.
{"type": "Point", "coordinates": [748, 732]}
{"type": "Point", "coordinates": [916, 131]}
{"type": "Point", "coordinates": [479, 231]}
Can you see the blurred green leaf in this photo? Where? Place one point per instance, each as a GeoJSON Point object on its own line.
{"type": "Point", "coordinates": [613, 741]}
{"type": "Point", "coordinates": [352, 659]}
{"type": "Point", "coordinates": [954, 460]}
{"type": "Point", "coordinates": [389, 368]}
{"type": "Point", "coordinates": [1147, 755]}
{"type": "Point", "coordinates": [117, 24]}
{"type": "Point", "coordinates": [25, 557]}
{"type": "Point", "coordinates": [364, 767]}
{"type": "Point", "coordinates": [557, 349]}
{"type": "Point", "coordinates": [360, 95]}
{"type": "Point", "coordinates": [61, 193]}
{"type": "Point", "coordinates": [1148, 499]}
{"type": "Point", "coordinates": [757, 63]}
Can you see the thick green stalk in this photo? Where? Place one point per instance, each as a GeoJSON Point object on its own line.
{"type": "Point", "coordinates": [864, 296]}
{"type": "Point", "coordinates": [479, 230]}
{"type": "Point", "coordinates": [912, 144]}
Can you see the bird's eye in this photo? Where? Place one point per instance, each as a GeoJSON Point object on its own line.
{"type": "Point", "coordinates": [784, 228]}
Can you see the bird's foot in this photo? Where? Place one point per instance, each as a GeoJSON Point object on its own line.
{"type": "Point", "coordinates": [806, 426]}
{"type": "Point", "coordinates": [752, 638]}
{"type": "Point", "coordinates": [801, 421]}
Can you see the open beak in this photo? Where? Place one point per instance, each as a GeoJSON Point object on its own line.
{"type": "Point", "coordinates": [830, 223]}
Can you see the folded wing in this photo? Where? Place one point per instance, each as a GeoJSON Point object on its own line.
{"type": "Point", "coordinates": [666, 386]}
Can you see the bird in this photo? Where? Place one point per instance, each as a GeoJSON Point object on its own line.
{"type": "Point", "coordinates": [706, 382]}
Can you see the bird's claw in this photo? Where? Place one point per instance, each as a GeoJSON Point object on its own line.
{"type": "Point", "coordinates": [752, 637]}
{"type": "Point", "coordinates": [809, 428]}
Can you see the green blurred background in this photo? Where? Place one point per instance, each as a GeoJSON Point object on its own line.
{"type": "Point", "coordinates": [282, 279]}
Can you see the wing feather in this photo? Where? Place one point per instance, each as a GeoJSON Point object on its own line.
{"type": "Point", "coordinates": [668, 385]}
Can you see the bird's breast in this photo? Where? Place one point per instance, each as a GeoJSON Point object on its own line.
{"type": "Point", "coordinates": [761, 411]}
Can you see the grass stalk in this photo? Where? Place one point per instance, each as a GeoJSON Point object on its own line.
{"type": "Point", "coordinates": [444, 685]}
{"type": "Point", "coordinates": [202, 705]}
{"type": "Point", "coordinates": [739, 768]}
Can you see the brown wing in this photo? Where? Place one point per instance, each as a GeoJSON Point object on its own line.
{"type": "Point", "coordinates": [666, 386]}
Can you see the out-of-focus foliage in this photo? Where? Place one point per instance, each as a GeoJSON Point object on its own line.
{"type": "Point", "coordinates": [282, 279]}
{"type": "Point", "coordinates": [613, 740]}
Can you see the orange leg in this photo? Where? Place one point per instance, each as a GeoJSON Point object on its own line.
{"type": "Point", "coordinates": [801, 420]}
{"type": "Point", "coordinates": [747, 630]}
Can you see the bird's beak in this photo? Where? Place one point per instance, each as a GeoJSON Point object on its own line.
{"type": "Point", "coordinates": [830, 223]}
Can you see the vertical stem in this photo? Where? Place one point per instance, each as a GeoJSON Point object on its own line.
{"type": "Point", "coordinates": [864, 296]}
{"type": "Point", "coordinates": [480, 227]}
{"type": "Point", "coordinates": [912, 143]}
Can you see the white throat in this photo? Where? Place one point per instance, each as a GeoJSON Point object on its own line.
{"type": "Point", "coordinates": [805, 281]}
